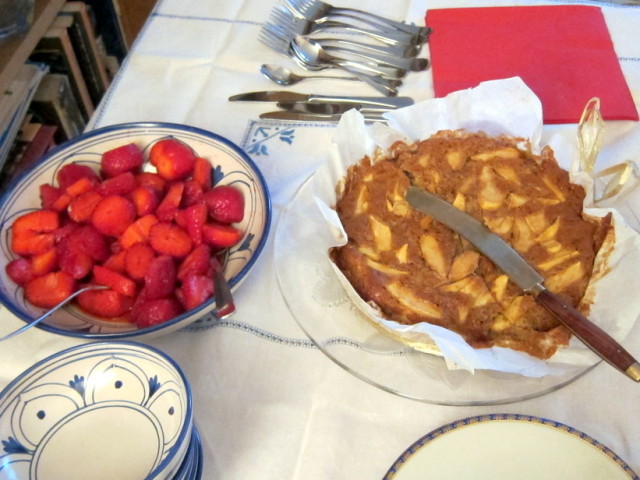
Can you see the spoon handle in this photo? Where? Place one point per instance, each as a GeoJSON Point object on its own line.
{"type": "Point", "coordinates": [223, 297]}
{"type": "Point", "coordinates": [52, 310]}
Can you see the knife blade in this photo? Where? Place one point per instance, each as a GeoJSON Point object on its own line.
{"type": "Point", "coordinates": [315, 117]}
{"type": "Point", "coordinates": [331, 108]}
{"type": "Point", "coordinates": [524, 275]}
{"type": "Point", "coordinates": [284, 96]}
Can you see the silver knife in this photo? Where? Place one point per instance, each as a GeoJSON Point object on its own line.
{"type": "Point", "coordinates": [315, 117]}
{"type": "Point", "coordinates": [331, 108]}
{"type": "Point", "coordinates": [518, 270]}
{"type": "Point", "coordinates": [284, 96]}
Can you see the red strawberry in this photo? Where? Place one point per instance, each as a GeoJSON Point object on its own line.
{"type": "Point", "coordinates": [72, 172]}
{"type": "Point", "coordinates": [160, 279]}
{"type": "Point", "coordinates": [105, 303]}
{"type": "Point", "coordinates": [77, 264]}
{"type": "Point", "coordinates": [192, 193]}
{"type": "Point", "coordinates": [146, 199]}
{"type": "Point", "coordinates": [220, 236]}
{"type": "Point", "coordinates": [32, 233]}
{"type": "Point", "coordinates": [173, 159]}
{"type": "Point", "coordinates": [48, 195]}
{"type": "Point", "coordinates": [137, 260]}
{"type": "Point", "coordinates": [170, 203]}
{"type": "Point", "coordinates": [170, 239]}
{"type": "Point", "coordinates": [122, 184]}
{"type": "Point", "coordinates": [225, 203]}
{"type": "Point", "coordinates": [195, 290]}
{"type": "Point", "coordinates": [20, 270]}
{"type": "Point", "coordinates": [81, 208]}
{"type": "Point", "coordinates": [80, 186]}
{"type": "Point", "coordinates": [138, 231]}
{"type": "Point", "coordinates": [154, 312]}
{"type": "Point", "coordinates": [202, 172]}
{"type": "Point", "coordinates": [44, 263]}
{"type": "Point", "coordinates": [195, 217]}
{"type": "Point", "coordinates": [114, 280]}
{"type": "Point", "coordinates": [126, 158]}
{"type": "Point", "coordinates": [87, 239]}
{"type": "Point", "coordinates": [151, 179]}
{"type": "Point", "coordinates": [49, 290]}
{"type": "Point", "coordinates": [113, 214]}
{"type": "Point", "coordinates": [198, 262]}
{"type": "Point", "coordinates": [116, 262]}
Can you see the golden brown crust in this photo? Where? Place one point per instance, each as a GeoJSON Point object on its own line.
{"type": "Point", "coordinates": [417, 270]}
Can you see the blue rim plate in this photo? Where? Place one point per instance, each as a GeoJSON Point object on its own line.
{"type": "Point", "coordinates": [232, 166]}
{"type": "Point", "coordinates": [508, 446]}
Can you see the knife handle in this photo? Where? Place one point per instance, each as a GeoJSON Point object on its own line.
{"type": "Point", "coordinates": [593, 336]}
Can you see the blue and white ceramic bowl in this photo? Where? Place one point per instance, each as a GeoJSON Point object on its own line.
{"type": "Point", "coordinates": [104, 410]}
{"type": "Point", "coordinates": [231, 166]}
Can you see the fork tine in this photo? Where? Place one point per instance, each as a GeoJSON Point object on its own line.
{"type": "Point", "coordinates": [273, 37]}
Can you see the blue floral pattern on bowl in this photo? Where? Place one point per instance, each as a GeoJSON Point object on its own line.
{"type": "Point", "coordinates": [101, 410]}
{"type": "Point", "coordinates": [231, 166]}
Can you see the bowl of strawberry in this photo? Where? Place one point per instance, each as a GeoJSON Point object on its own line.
{"type": "Point", "coordinates": [144, 210]}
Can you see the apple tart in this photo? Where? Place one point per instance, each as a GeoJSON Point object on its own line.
{"type": "Point", "coordinates": [414, 269]}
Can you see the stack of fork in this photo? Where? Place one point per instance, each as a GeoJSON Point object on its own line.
{"type": "Point", "coordinates": [371, 48]}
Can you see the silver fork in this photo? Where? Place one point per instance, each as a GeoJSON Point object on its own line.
{"type": "Point", "coordinates": [316, 9]}
{"type": "Point", "coordinates": [277, 39]}
{"type": "Point", "coordinates": [282, 16]}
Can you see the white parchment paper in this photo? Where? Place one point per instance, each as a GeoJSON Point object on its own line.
{"type": "Point", "coordinates": [496, 107]}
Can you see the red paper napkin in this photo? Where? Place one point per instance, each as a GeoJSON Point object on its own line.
{"type": "Point", "coordinates": [563, 53]}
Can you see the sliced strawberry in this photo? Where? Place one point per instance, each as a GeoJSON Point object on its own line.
{"type": "Point", "coordinates": [48, 195]}
{"type": "Point", "coordinates": [81, 208]}
{"type": "Point", "coordinates": [195, 290]}
{"type": "Point", "coordinates": [37, 221]}
{"type": "Point", "coordinates": [195, 217]}
{"type": "Point", "coordinates": [122, 184]}
{"type": "Point", "coordinates": [198, 262]}
{"type": "Point", "coordinates": [80, 186]}
{"type": "Point", "coordinates": [225, 203]}
{"type": "Point", "coordinates": [170, 203]}
{"type": "Point", "coordinates": [138, 231]}
{"type": "Point", "coordinates": [116, 262]}
{"type": "Point", "coordinates": [114, 280]}
{"type": "Point", "coordinates": [62, 202]}
{"type": "Point", "coordinates": [202, 169]}
{"type": "Point", "coordinates": [170, 239]}
{"type": "Point", "coordinates": [20, 270]}
{"type": "Point", "coordinates": [76, 264]}
{"type": "Point", "coordinates": [192, 194]}
{"type": "Point", "coordinates": [153, 312]}
{"type": "Point", "coordinates": [146, 199]}
{"type": "Point", "coordinates": [151, 179]}
{"type": "Point", "coordinates": [72, 172]}
{"type": "Point", "coordinates": [126, 158]}
{"type": "Point", "coordinates": [105, 303]}
{"type": "Point", "coordinates": [113, 214]}
{"type": "Point", "coordinates": [138, 258]}
{"type": "Point", "coordinates": [49, 290]}
{"type": "Point", "coordinates": [160, 279]}
{"type": "Point", "coordinates": [32, 233]}
{"type": "Point", "coordinates": [87, 239]}
{"type": "Point", "coordinates": [173, 159]}
{"type": "Point", "coordinates": [220, 235]}
{"type": "Point", "coordinates": [46, 262]}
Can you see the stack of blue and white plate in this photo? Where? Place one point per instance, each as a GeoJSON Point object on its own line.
{"type": "Point", "coordinates": [107, 410]}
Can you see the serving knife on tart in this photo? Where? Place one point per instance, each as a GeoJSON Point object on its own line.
{"type": "Point", "coordinates": [525, 276]}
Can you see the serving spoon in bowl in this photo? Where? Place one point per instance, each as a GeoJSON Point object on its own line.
{"type": "Point", "coordinates": [222, 296]}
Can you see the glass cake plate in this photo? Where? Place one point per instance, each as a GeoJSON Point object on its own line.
{"type": "Point", "coordinates": [329, 318]}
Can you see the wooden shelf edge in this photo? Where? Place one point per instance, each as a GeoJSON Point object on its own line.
{"type": "Point", "coordinates": [16, 50]}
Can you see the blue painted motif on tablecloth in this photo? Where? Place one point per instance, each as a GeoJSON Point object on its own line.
{"type": "Point", "coordinates": [261, 136]}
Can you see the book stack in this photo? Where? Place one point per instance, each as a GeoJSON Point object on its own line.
{"type": "Point", "coordinates": [58, 89]}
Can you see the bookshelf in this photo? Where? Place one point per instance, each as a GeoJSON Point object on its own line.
{"type": "Point", "coordinates": [14, 51]}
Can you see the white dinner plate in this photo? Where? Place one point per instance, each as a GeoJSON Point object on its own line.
{"type": "Point", "coordinates": [508, 446]}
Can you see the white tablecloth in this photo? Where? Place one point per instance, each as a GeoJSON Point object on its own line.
{"type": "Point", "coordinates": [268, 404]}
